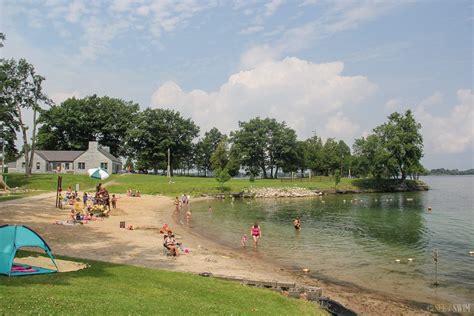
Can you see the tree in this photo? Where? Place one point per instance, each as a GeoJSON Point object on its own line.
{"type": "Point", "coordinates": [395, 148]}
{"type": "Point", "coordinates": [401, 137]}
{"type": "Point", "coordinates": [344, 152]}
{"type": "Point", "coordinates": [223, 163]}
{"type": "Point", "coordinates": [314, 154]}
{"type": "Point", "coordinates": [265, 145]}
{"type": "Point", "coordinates": [156, 130]}
{"type": "Point", "coordinates": [331, 160]}
{"type": "Point", "coordinates": [206, 147]}
{"type": "Point", "coordinates": [75, 122]}
{"type": "Point", "coordinates": [21, 89]}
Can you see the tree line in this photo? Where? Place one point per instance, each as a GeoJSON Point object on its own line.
{"type": "Point", "coordinates": [260, 146]}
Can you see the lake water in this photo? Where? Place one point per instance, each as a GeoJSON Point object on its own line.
{"type": "Point", "coordinates": [356, 239]}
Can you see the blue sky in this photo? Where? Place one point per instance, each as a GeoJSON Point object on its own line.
{"type": "Point", "coordinates": [331, 68]}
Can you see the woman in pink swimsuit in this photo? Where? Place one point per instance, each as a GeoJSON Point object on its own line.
{"type": "Point", "coordinates": [256, 233]}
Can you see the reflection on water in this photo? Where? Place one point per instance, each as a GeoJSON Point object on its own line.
{"type": "Point", "coordinates": [379, 241]}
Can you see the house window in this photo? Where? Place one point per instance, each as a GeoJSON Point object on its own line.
{"type": "Point", "coordinates": [66, 166]}
{"type": "Point", "coordinates": [103, 165]}
{"type": "Point", "coordinates": [38, 166]}
{"type": "Point", "coordinates": [81, 165]}
{"type": "Point", "coordinates": [23, 165]}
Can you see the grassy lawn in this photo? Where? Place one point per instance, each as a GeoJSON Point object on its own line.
{"type": "Point", "coordinates": [151, 184]}
{"type": "Point", "coordinates": [48, 181]}
{"type": "Point", "coordinates": [107, 288]}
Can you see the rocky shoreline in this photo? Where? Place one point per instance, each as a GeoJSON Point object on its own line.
{"type": "Point", "coordinates": [297, 192]}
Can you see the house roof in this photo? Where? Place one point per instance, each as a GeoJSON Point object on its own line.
{"type": "Point", "coordinates": [108, 155]}
{"type": "Point", "coordinates": [59, 155]}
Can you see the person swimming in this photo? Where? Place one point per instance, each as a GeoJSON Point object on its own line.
{"type": "Point", "coordinates": [297, 223]}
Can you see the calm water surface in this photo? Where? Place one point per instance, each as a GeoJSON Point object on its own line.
{"type": "Point", "coordinates": [357, 239]}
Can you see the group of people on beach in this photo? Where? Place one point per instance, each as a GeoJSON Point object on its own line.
{"type": "Point", "coordinates": [82, 210]}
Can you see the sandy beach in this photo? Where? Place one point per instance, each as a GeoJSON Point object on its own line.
{"type": "Point", "coordinates": [105, 241]}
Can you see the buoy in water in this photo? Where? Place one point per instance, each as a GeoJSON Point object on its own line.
{"type": "Point", "coordinates": [410, 259]}
{"type": "Point", "coordinates": [471, 253]}
{"type": "Point", "coordinates": [409, 199]}
{"type": "Point", "coordinates": [429, 208]}
{"type": "Point", "coordinates": [397, 260]}
{"type": "Point", "coordinates": [306, 270]}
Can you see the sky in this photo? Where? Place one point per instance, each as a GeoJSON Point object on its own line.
{"type": "Point", "coordinates": [326, 68]}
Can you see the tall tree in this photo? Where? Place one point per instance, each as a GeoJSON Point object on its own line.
{"type": "Point", "coordinates": [401, 137]}
{"type": "Point", "coordinates": [265, 145]}
{"type": "Point", "coordinates": [21, 90]}
{"type": "Point", "coordinates": [223, 162]}
{"type": "Point", "coordinates": [75, 122]}
{"type": "Point", "coordinates": [154, 131]}
{"type": "Point", "coordinates": [314, 154]}
{"type": "Point", "coordinates": [344, 152]}
{"type": "Point", "coordinates": [8, 123]}
{"type": "Point", "coordinates": [206, 147]}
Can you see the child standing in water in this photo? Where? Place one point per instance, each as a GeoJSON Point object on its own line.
{"type": "Point", "coordinates": [243, 241]}
{"type": "Point", "coordinates": [256, 233]}
{"type": "Point", "coordinates": [297, 223]}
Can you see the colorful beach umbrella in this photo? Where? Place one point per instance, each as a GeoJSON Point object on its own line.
{"type": "Point", "coordinates": [98, 173]}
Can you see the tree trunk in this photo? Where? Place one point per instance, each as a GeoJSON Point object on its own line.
{"type": "Point", "coordinates": [276, 173]}
{"type": "Point", "coordinates": [33, 143]}
{"type": "Point", "coordinates": [25, 140]}
{"type": "Point", "coordinates": [264, 172]}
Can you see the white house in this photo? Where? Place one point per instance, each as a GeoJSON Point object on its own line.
{"type": "Point", "coordinates": [71, 161]}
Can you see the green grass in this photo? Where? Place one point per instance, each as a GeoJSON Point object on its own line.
{"type": "Point", "coordinates": [152, 184]}
{"type": "Point", "coordinates": [107, 288]}
{"type": "Point", "coordinates": [48, 181]}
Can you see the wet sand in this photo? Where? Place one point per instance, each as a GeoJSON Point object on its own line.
{"type": "Point", "coordinates": [105, 241]}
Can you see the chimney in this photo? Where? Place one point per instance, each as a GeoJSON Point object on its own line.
{"type": "Point", "coordinates": [93, 145]}
{"type": "Point", "coordinates": [106, 148]}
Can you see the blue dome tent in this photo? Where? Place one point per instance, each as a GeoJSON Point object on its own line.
{"type": "Point", "coordinates": [12, 238]}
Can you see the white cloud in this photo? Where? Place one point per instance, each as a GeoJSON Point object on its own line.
{"type": "Point", "coordinates": [340, 126]}
{"type": "Point", "coordinates": [393, 104]}
{"type": "Point", "coordinates": [341, 16]}
{"type": "Point", "coordinates": [451, 133]}
{"type": "Point", "coordinates": [59, 97]}
{"type": "Point", "coordinates": [309, 97]}
{"type": "Point", "coordinates": [251, 29]}
{"type": "Point", "coordinates": [272, 6]}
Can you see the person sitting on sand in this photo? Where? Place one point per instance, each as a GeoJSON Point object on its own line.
{"type": "Point", "coordinates": [169, 243]}
{"type": "Point", "coordinates": [256, 233]}
{"type": "Point", "coordinates": [129, 192]}
{"type": "Point", "coordinates": [138, 194]}
{"type": "Point", "coordinates": [297, 223]}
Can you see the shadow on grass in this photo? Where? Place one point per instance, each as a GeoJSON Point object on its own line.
{"type": "Point", "coordinates": [96, 269]}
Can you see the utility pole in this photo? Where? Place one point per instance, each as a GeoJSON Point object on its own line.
{"type": "Point", "coordinates": [169, 165]}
